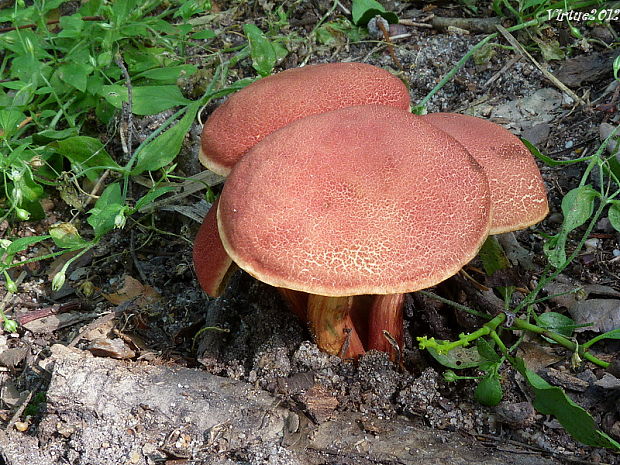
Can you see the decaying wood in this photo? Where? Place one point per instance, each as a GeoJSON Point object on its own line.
{"type": "Point", "coordinates": [101, 410]}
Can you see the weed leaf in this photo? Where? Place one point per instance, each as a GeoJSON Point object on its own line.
{"type": "Point", "coordinates": [107, 207]}
{"type": "Point", "coordinates": [261, 49]}
{"type": "Point", "coordinates": [577, 207]}
{"type": "Point", "coordinates": [363, 11]}
{"type": "Point", "coordinates": [147, 100]}
{"type": "Point", "coordinates": [552, 400]}
{"type": "Point", "coordinates": [614, 214]}
{"type": "Point", "coordinates": [85, 152]}
{"type": "Point", "coordinates": [21, 244]}
{"type": "Point", "coordinates": [165, 147]}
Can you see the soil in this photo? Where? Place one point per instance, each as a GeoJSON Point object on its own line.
{"type": "Point", "coordinates": [130, 362]}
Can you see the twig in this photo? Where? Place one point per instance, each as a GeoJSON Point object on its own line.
{"type": "Point", "coordinates": [390, 45]}
{"type": "Point", "coordinates": [344, 9]}
{"type": "Point", "coordinates": [408, 22]}
{"type": "Point", "coordinates": [501, 72]}
{"type": "Point", "coordinates": [47, 311]}
{"type": "Point", "coordinates": [93, 193]}
{"type": "Point", "coordinates": [560, 85]}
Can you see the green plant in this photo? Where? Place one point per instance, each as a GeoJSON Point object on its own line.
{"type": "Point", "coordinates": [582, 205]}
{"type": "Point", "coordinates": [122, 58]}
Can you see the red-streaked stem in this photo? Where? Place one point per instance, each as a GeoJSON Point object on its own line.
{"type": "Point", "coordinates": [297, 301]}
{"type": "Point", "coordinates": [386, 316]}
{"type": "Point", "coordinates": [330, 321]}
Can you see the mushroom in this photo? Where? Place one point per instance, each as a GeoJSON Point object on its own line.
{"type": "Point", "coordinates": [212, 264]}
{"type": "Point", "coordinates": [361, 200]}
{"type": "Point", "coordinates": [275, 101]}
{"type": "Point", "coordinates": [518, 195]}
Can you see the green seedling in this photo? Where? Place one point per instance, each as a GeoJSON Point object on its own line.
{"type": "Point", "coordinates": [583, 205]}
{"type": "Point", "coordinates": [56, 76]}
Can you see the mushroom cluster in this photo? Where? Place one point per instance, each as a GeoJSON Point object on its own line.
{"type": "Point", "coordinates": [345, 201]}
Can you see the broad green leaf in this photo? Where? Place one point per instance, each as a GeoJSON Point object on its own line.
{"type": "Point", "coordinates": [458, 358]}
{"type": "Point", "coordinates": [261, 49]}
{"type": "Point", "coordinates": [85, 152]}
{"type": "Point", "coordinates": [577, 207]}
{"type": "Point", "coordinates": [557, 323]}
{"type": "Point", "coordinates": [21, 244]}
{"type": "Point", "coordinates": [165, 147]}
{"type": "Point", "coordinates": [486, 351]}
{"type": "Point", "coordinates": [49, 135]}
{"type": "Point", "coordinates": [170, 73]}
{"type": "Point", "coordinates": [151, 196]}
{"type": "Point", "coordinates": [493, 256]}
{"type": "Point", "coordinates": [363, 11]}
{"type": "Point", "coordinates": [614, 214]}
{"type": "Point", "coordinates": [108, 205]}
{"type": "Point", "coordinates": [9, 122]}
{"type": "Point", "coordinates": [71, 26]}
{"type": "Point", "coordinates": [75, 74]}
{"type": "Point", "coordinates": [66, 236]}
{"type": "Point", "coordinates": [115, 94]}
{"type": "Point", "coordinates": [147, 100]}
{"type": "Point", "coordinates": [121, 11]}
{"type": "Point", "coordinates": [552, 400]}
{"type": "Point", "coordinates": [205, 34]}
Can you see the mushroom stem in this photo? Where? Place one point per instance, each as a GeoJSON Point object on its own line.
{"type": "Point", "coordinates": [297, 301]}
{"type": "Point", "coordinates": [330, 321]}
{"type": "Point", "coordinates": [385, 331]}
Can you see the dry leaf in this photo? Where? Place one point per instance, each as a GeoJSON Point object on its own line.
{"type": "Point", "coordinates": [10, 358]}
{"type": "Point", "coordinates": [133, 289]}
{"type": "Point", "coordinates": [604, 314]}
{"type": "Point", "coordinates": [538, 356]}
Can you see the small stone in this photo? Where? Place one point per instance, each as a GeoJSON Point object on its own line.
{"type": "Point", "coordinates": [555, 218]}
{"type": "Point", "coordinates": [608, 382]}
{"type": "Point", "coordinates": [518, 414]}
{"type": "Point", "coordinates": [113, 348]}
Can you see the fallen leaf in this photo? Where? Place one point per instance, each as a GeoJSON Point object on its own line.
{"type": "Point", "coordinates": [133, 289]}
{"type": "Point", "coordinates": [538, 356]}
{"type": "Point", "coordinates": [603, 314]}
{"type": "Point", "coordinates": [10, 358]}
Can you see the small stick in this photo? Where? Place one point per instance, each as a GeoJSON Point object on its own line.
{"type": "Point", "coordinates": [390, 45]}
{"type": "Point", "coordinates": [559, 84]}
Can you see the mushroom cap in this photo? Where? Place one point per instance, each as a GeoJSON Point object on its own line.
{"type": "Point", "coordinates": [518, 194]}
{"type": "Point", "coordinates": [211, 262]}
{"type": "Point", "coordinates": [361, 200]}
{"type": "Point", "coordinates": [275, 101]}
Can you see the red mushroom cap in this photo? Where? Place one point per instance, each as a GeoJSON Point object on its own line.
{"type": "Point", "coordinates": [362, 200]}
{"type": "Point", "coordinates": [518, 194]}
{"type": "Point", "coordinates": [275, 101]}
{"type": "Point", "coordinates": [211, 262]}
